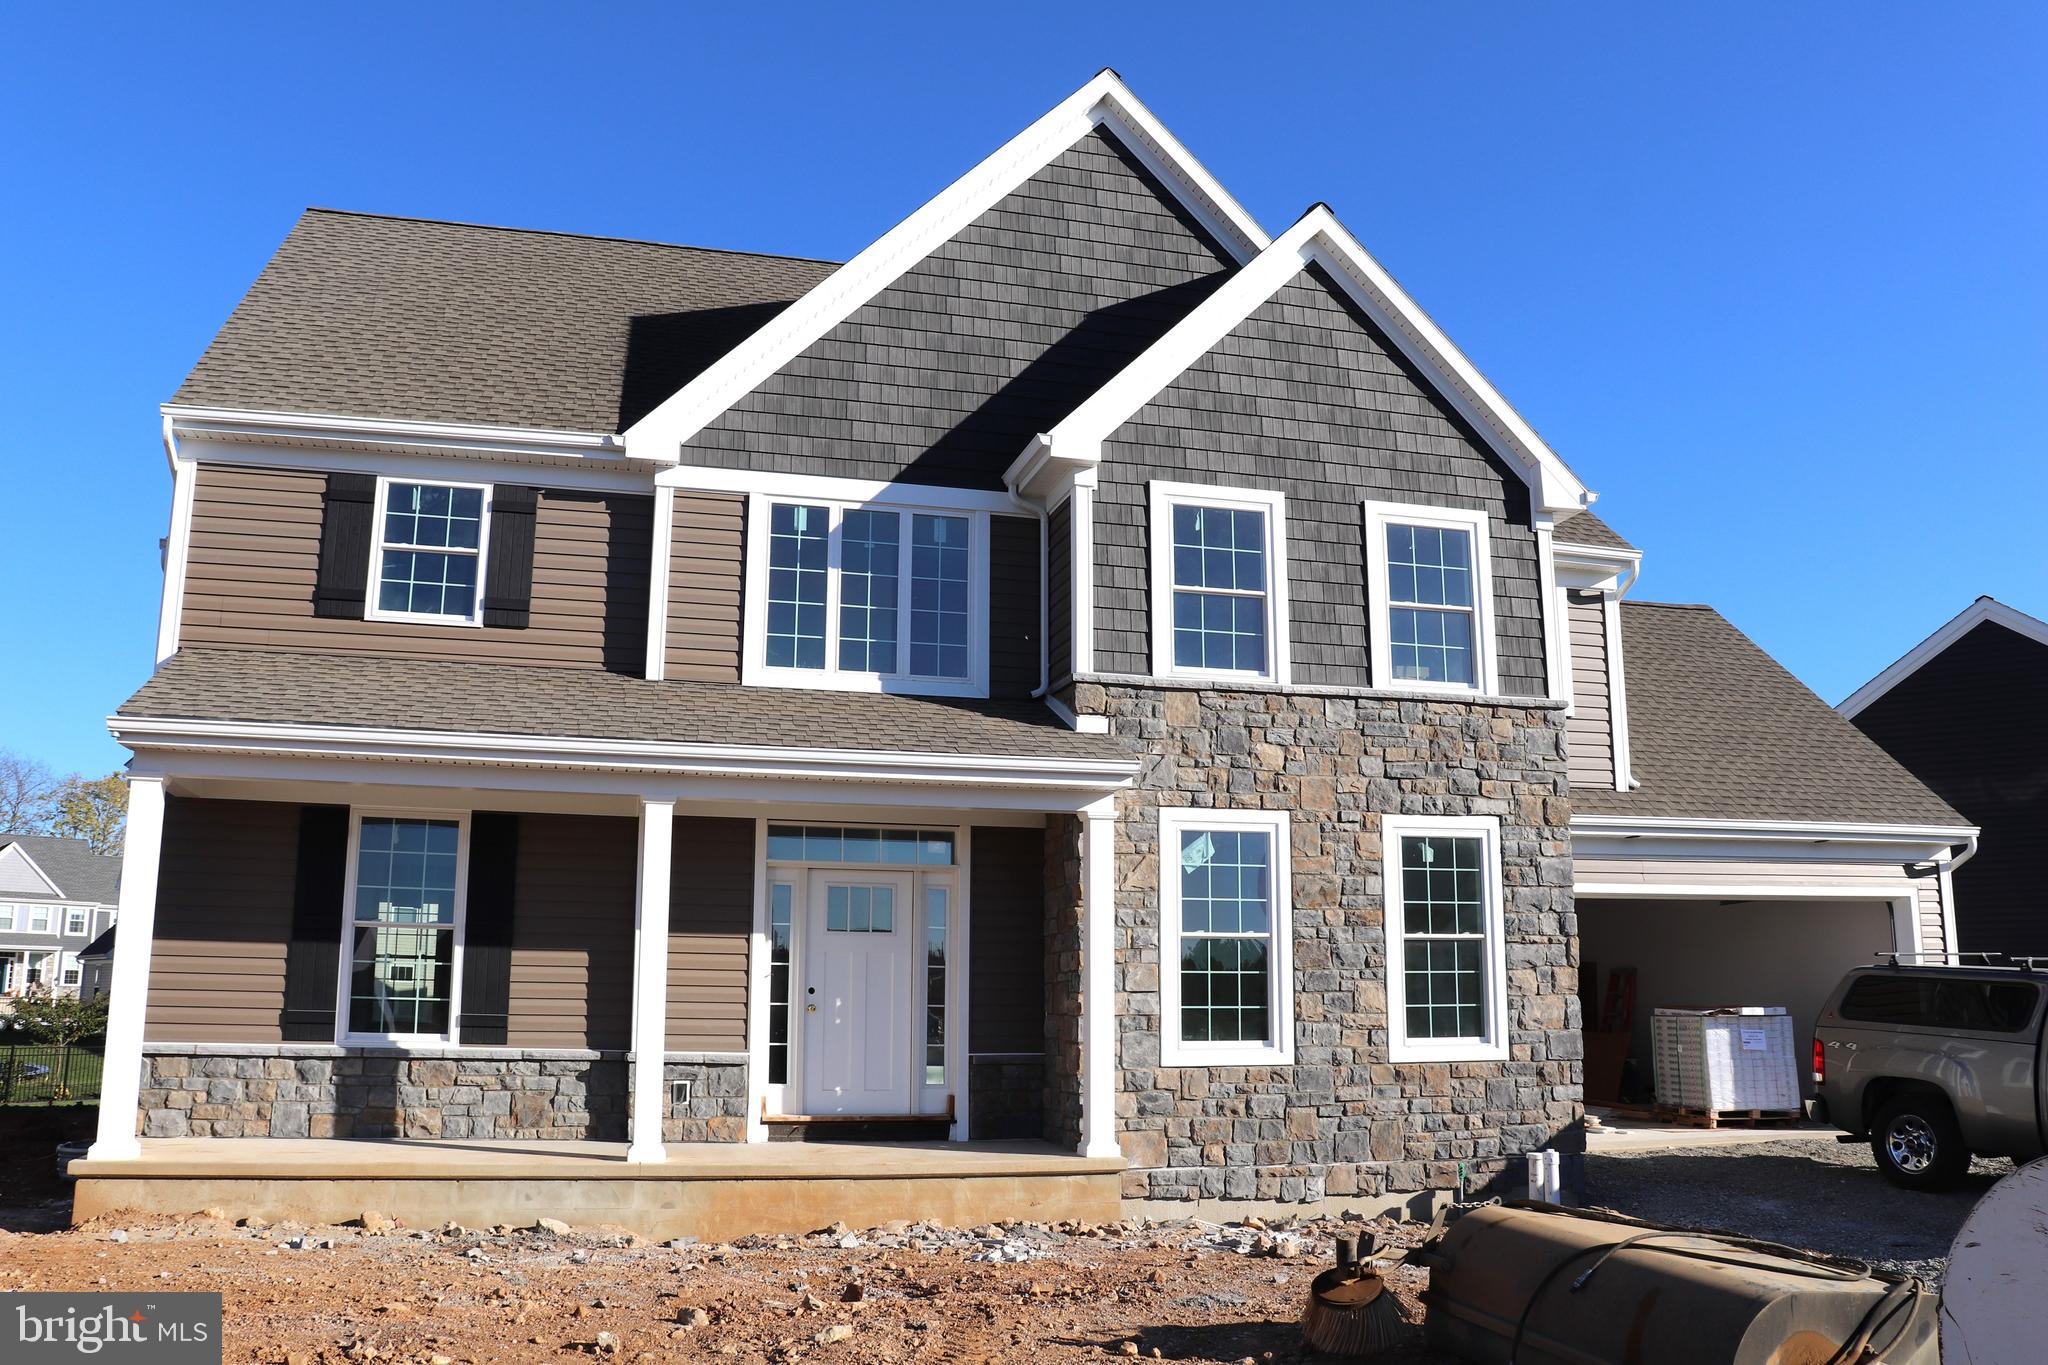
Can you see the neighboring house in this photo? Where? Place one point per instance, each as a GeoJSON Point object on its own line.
{"type": "Point", "coordinates": [56, 896]}
{"type": "Point", "coordinates": [1083, 669]}
{"type": "Point", "coordinates": [96, 967]}
{"type": "Point", "coordinates": [1962, 710]}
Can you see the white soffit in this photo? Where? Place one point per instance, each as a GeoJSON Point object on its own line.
{"type": "Point", "coordinates": [1983, 610]}
{"type": "Point", "coordinates": [1105, 100]}
{"type": "Point", "coordinates": [1320, 239]}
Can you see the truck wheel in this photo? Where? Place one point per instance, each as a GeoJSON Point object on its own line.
{"type": "Point", "coordinates": [1917, 1143]}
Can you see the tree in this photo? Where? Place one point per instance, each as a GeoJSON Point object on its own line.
{"type": "Point", "coordinates": [28, 795]}
{"type": "Point", "coordinates": [94, 809]}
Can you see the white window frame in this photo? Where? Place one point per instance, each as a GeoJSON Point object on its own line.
{"type": "Point", "coordinates": [1494, 959]}
{"type": "Point", "coordinates": [373, 612]}
{"type": "Point", "coordinates": [754, 668]}
{"type": "Point", "coordinates": [70, 974]}
{"type": "Point", "coordinates": [453, 1037]}
{"type": "Point", "coordinates": [1485, 670]}
{"type": "Point", "coordinates": [1164, 496]}
{"type": "Point", "coordinates": [38, 920]}
{"type": "Point", "coordinates": [82, 918]}
{"type": "Point", "coordinates": [6, 919]}
{"type": "Point", "coordinates": [1279, 1049]}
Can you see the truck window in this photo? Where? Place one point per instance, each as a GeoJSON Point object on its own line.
{"type": "Point", "coordinates": [1929, 1002]}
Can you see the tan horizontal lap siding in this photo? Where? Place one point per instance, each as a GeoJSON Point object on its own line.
{"type": "Point", "coordinates": [572, 932]}
{"type": "Point", "coordinates": [711, 922]}
{"type": "Point", "coordinates": [1590, 731]}
{"type": "Point", "coordinates": [255, 554]}
{"type": "Point", "coordinates": [1886, 881]}
{"type": "Point", "coordinates": [707, 560]}
{"type": "Point", "coordinates": [223, 919]}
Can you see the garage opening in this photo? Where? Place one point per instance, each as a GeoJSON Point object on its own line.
{"type": "Point", "coordinates": [1693, 954]}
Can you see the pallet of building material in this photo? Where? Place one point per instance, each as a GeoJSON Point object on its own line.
{"type": "Point", "coordinates": [1725, 1118]}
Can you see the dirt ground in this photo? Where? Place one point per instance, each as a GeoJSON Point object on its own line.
{"type": "Point", "coordinates": [1178, 1291]}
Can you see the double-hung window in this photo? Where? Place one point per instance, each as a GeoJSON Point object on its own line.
{"type": "Point", "coordinates": [867, 597]}
{"type": "Point", "coordinates": [1431, 617]}
{"type": "Point", "coordinates": [1225, 980]}
{"type": "Point", "coordinates": [427, 563]}
{"type": "Point", "coordinates": [39, 919]}
{"type": "Point", "coordinates": [1219, 582]}
{"type": "Point", "coordinates": [75, 922]}
{"type": "Point", "coordinates": [404, 922]}
{"type": "Point", "coordinates": [1445, 933]}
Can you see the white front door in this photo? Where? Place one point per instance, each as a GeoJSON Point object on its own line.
{"type": "Point", "coordinates": [858, 993]}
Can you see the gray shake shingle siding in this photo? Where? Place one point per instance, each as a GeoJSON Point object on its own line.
{"type": "Point", "coordinates": [459, 696]}
{"type": "Point", "coordinates": [945, 375]}
{"type": "Point", "coordinates": [1059, 592]}
{"type": "Point", "coordinates": [1305, 397]}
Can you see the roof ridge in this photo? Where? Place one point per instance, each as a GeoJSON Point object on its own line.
{"type": "Point", "coordinates": [557, 232]}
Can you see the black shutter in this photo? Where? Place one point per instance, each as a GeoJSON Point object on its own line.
{"type": "Point", "coordinates": [345, 529]}
{"type": "Point", "coordinates": [508, 578]}
{"type": "Point", "coordinates": [487, 927]}
{"type": "Point", "coordinates": [312, 962]}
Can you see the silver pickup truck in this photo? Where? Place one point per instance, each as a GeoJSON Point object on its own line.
{"type": "Point", "coordinates": [1934, 1064]}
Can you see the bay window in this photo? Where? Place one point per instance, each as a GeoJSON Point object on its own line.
{"type": "Point", "coordinates": [866, 597]}
{"type": "Point", "coordinates": [1446, 949]}
{"type": "Point", "coordinates": [1226, 977]}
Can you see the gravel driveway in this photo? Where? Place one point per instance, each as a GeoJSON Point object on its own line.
{"type": "Point", "coordinates": [1814, 1193]}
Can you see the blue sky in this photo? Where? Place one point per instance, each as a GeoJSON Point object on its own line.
{"type": "Point", "coordinates": [1769, 278]}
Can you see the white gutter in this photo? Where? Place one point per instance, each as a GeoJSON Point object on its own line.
{"type": "Point", "coordinates": [461, 438]}
{"type": "Point", "coordinates": [718, 760]}
{"type": "Point", "coordinates": [1803, 831]}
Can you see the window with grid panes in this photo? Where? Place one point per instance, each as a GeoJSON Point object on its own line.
{"type": "Point", "coordinates": [430, 551]}
{"type": "Point", "coordinates": [1226, 935]}
{"type": "Point", "coordinates": [1443, 936]}
{"type": "Point", "coordinates": [1431, 603]}
{"type": "Point", "coordinates": [1219, 589]}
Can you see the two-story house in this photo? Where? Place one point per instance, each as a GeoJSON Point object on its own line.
{"type": "Point", "coordinates": [56, 897]}
{"type": "Point", "coordinates": [1086, 669]}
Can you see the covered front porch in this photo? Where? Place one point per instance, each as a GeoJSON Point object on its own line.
{"type": "Point", "coordinates": [713, 1191]}
{"type": "Point", "coordinates": [615, 955]}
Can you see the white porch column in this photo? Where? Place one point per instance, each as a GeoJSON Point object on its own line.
{"type": "Point", "coordinates": [128, 988]}
{"type": "Point", "coordinates": [650, 979]}
{"type": "Point", "coordinates": [1098, 980]}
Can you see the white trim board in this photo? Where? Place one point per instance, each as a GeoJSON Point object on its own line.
{"type": "Point", "coordinates": [1983, 610]}
{"type": "Point", "coordinates": [1319, 239]}
{"type": "Point", "coordinates": [1162, 497]}
{"type": "Point", "coordinates": [441, 438]}
{"type": "Point", "coordinates": [1104, 100]}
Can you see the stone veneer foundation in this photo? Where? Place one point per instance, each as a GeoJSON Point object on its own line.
{"type": "Point", "coordinates": [1343, 1120]}
{"type": "Point", "coordinates": [297, 1090]}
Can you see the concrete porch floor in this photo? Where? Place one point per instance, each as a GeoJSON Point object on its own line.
{"type": "Point", "coordinates": [715, 1191]}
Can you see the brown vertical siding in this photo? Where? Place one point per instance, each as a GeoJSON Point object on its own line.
{"type": "Point", "coordinates": [255, 552]}
{"type": "Point", "coordinates": [1590, 731]}
{"type": "Point", "coordinates": [711, 921]}
{"type": "Point", "coordinates": [1006, 959]}
{"type": "Point", "coordinates": [1014, 584]}
{"type": "Point", "coordinates": [223, 918]}
{"type": "Point", "coordinates": [707, 562]}
{"type": "Point", "coordinates": [572, 932]}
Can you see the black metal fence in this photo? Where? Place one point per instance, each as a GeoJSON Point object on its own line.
{"type": "Point", "coordinates": [43, 1073]}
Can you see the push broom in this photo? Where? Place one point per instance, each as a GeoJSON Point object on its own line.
{"type": "Point", "coordinates": [1351, 1310]}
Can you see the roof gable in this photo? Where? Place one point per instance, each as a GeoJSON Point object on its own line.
{"type": "Point", "coordinates": [1319, 239]}
{"type": "Point", "coordinates": [1983, 611]}
{"type": "Point", "coordinates": [1103, 103]}
{"type": "Point", "coordinates": [19, 875]}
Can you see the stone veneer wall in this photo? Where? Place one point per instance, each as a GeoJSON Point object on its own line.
{"type": "Point", "coordinates": [1343, 1120]}
{"type": "Point", "coordinates": [313, 1090]}
{"type": "Point", "coordinates": [1061, 1109]}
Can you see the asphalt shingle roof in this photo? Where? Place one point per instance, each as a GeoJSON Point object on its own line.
{"type": "Point", "coordinates": [80, 873]}
{"type": "Point", "coordinates": [509, 699]}
{"type": "Point", "coordinates": [1718, 730]}
{"type": "Point", "coordinates": [368, 316]}
{"type": "Point", "coordinates": [1583, 528]}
